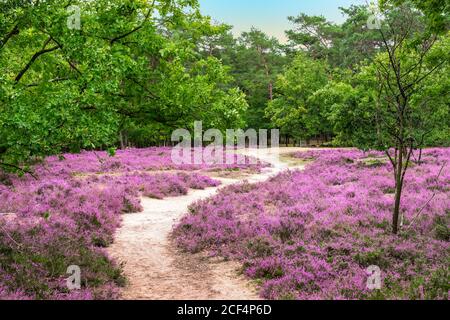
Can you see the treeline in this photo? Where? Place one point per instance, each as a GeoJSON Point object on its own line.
{"type": "Point", "coordinates": [326, 84]}
{"type": "Point", "coordinates": [137, 70]}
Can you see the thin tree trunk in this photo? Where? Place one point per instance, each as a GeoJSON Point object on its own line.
{"type": "Point", "coordinates": [271, 91]}
{"type": "Point", "coordinates": [398, 190]}
{"type": "Point", "coordinates": [267, 71]}
{"type": "Point", "coordinates": [122, 145]}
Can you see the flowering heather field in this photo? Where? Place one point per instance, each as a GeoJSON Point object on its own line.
{"type": "Point", "coordinates": [313, 234]}
{"type": "Point", "coordinates": [69, 214]}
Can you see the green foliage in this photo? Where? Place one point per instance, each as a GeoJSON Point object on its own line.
{"type": "Point", "coordinates": [313, 32]}
{"type": "Point", "coordinates": [434, 286]}
{"type": "Point", "coordinates": [111, 151]}
{"type": "Point", "coordinates": [297, 108]}
{"type": "Point", "coordinates": [366, 118]}
{"type": "Point", "coordinates": [441, 228]}
{"type": "Point", "coordinates": [133, 65]}
{"type": "Point", "coordinates": [437, 12]}
{"type": "Point", "coordinates": [344, 46]}
{"type": "Point", "coordinates": [255, 60]}
{"type": "Point", "coordinates": [137, 70]}
{"type": "Point", "coordinates": [356, 107]}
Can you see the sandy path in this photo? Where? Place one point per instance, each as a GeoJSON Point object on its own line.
{"type": "Point", "coordinates": [156, 270]}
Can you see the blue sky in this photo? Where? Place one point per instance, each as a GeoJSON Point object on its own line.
{"type": "Point", "coordinates": [271, 15]}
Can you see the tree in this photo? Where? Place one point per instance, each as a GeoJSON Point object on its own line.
{"type": "Point", "coordinates": [63, 90]}
{"type": "Point", "coordinates": [261, 58]}
{"type": "Point", "coordinates": [357, 43]}
{"type": "Point", "coordinates": [401, 72]}
{"type": "Point", "coordinates": [313, 34]}
{"type": "Point", "coordinates": [255, 60]}
{"type": "Point", "coordinates": [343, 46]}
{"type": "Point", "coordinates": [338, 99]}
{"type": "Point", "coordinates": [295, 109]}
{"type": "Point", "coordinates": [437, 12]}
{"type": "Point", "coordinates": [391, 111]}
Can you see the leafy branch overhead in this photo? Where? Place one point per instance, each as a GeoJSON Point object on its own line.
{"type": "Point", "coordinates": [65, 90]}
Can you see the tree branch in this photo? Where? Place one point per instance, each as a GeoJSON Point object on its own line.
{"type": "Point", "coordinates": [429, 200]}
{"type": "Point", "coordinates": [10, 34]}
{"type": "Point", "coordinates": [18, 168]}
{"type": "Point", "coordinates": [49, 81]}
{"type": "Point", "coordinates": [417, 81]}
{"type": "Point", "coordinates": [112, 41]}
{"type": "Point", "coordinates": [34, 58]}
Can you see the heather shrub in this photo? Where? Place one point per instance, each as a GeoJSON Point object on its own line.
{"type": "Point", "coordinates": [34, 257]}
{"type": "Point", "coordinates": [441, 227]}
{"type": "Point", "coordinates": [312, 234]}
{"type": "Point", "coordinates": [70, 213]}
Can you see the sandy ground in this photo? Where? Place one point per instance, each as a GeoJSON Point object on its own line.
{"type": "Point", "coordinates": [156, 270]}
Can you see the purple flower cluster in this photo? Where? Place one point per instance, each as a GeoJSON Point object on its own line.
{"type": "Point", "coordinates": [313, 234]}
{"type": "Point", "coordinates": [129, 160]}
{"type": "Point", "coordinates": [70, 213]}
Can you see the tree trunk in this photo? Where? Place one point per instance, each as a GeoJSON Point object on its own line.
{"type": "Point", "coordinates": [267, 71]}
{"type": "Point", "coordinates": [122, 144]}
{"type": "Point", "coordinates": [271, 91]}
{"type": "Point", "coordinates": [420, 156]}
{"type": "Point", "coordinates": [126, 141]}
{"type": "Point", "coordinates": [398, 192]}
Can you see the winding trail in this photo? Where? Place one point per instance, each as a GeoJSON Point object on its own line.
{"type": "Point", "coordinates": [156, 270]}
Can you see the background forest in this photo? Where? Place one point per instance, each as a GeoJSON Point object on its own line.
{"type": "Point", "coordinates": [136, 70]}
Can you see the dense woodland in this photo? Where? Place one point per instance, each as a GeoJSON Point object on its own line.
{"type": "Point", "coordinates": [136, 70]}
